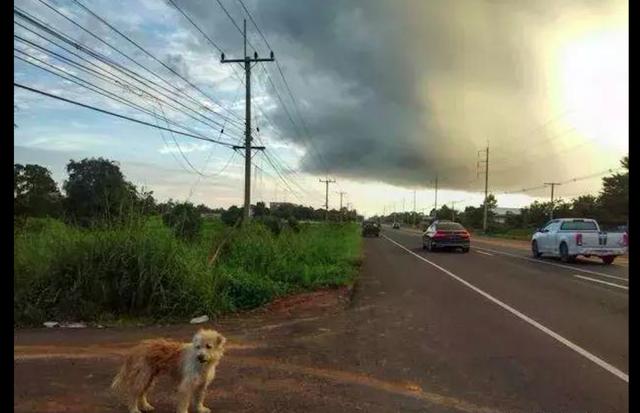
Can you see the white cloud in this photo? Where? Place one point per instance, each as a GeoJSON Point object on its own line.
{"type": "Point", "coordinates": [185, 148]}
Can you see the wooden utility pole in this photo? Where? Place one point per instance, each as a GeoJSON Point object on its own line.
{"type": "Point", "coordinates": [553, 185]}
{"type": "Point", "coordinates": [247, 61]}
{"type": "Point", "coordinates": [341, 194]}
{"type": "Point", "coordinates": [435, 214]}
{"type": "Point", "coordinates": [486, 185]}
{"type": "Point", "coordinates": [326, 197]}
{"type": "Point", "coordinates": [414, 208]}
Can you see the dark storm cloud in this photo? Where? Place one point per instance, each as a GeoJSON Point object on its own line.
{"type": "Point", "coordinates": [397, 91]}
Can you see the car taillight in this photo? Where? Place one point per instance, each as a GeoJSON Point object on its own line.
{"type": "Point", "coordinates": [625, 239]}
{"type": "Point", "coordinates": [465, 234]}
{"type": "Point", "coordinates": [578, 239]}
{"type": "Point", "coordinates": [439, 234]}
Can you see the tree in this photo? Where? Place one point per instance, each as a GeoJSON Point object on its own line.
{"type": "Point", "coordinates": [97, 192]}
{"type": "Point", "coordinates": [184, 219]}
{"type": "Point", "coordinates": [472, 217]}
{"type": "Point", "coordinates": [203, 209]}
{"type": "Point", "coordinates": [492, 202]}
{"type": "Point", "coordinates": [231, 216]}
{"type": "Point", "coordinates": [562, 209]}
{"type": "Point", "coordinates": [512, 220]}
{"type": "Point", "coordinates": [586, 206]}
{"type": "Point", "coordinates": [614, 197]}
{"type": "Point", "coordinates": [35, 193]}
{"type": "Point", "coordinates": [444, 213]}
{"type": "Point", "coordinates": [536, 214]}
{"type": "Point", "coordinates": [260, 210]}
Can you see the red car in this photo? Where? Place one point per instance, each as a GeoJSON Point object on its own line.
{"type": "Point", "coordinates": [446, 234]}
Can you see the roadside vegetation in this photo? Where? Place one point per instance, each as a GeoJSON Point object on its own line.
{"type": "Point", "coordinates": [97, 262]}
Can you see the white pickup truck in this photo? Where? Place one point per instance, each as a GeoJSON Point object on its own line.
{"type": "Point", "coordinates": [569, 237]}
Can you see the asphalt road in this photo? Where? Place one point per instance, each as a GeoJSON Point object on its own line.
{"type": "Point", "coordinates": [486, 331]}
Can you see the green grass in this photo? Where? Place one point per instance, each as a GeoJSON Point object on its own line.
{"type": "Point", "coordinates": [522, 234]}
{"type": "Point", "coordinates": [142, 271]}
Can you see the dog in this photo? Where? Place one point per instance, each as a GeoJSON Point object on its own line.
{"type": "Point", "coordinates": [191, 365]}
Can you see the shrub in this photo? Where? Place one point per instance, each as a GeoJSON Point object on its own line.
{"type": "Point", "coordinates": [232, 215]}
{"type": "Point", "coordinates": [274, 224]}
{"type": "Point", "coordinates": [293, 223]}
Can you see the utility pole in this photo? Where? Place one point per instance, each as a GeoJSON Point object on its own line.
{"type": "Point", "coordinates": [453, 210]}
{"type": "Point", "coordinates": [246, 61]}
{"type": "Point", "coordinates": [553, 185]}
{"type": "Point", "coordinates": [326, 195]}
{"type": "Point", "coordinates": [414, 208]}
{"type": "Point", "coordinates": [436, 200]}
{"type": "Point", "coordinates": [341, 194]}
{"type": "Point", "coordinates": [486, 184]}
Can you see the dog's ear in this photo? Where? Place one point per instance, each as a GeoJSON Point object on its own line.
{"type": "Point", "coordinates": [220, 341]}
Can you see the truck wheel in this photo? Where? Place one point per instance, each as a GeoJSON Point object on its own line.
{"type": "Point", "coordinates": [564, 254]}
{"type": "Point", "coordinates": [534, 249]}
{"type": "Point", "coordinates": [465, 249]}
{"type": "Point", "coordinates": [608, 259]}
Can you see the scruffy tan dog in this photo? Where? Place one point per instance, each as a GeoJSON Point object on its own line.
{"type": "Point", "coordinates": [192, 365]}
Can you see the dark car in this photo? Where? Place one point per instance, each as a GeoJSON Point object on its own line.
{"type": "Point", "coordinates": [396, 225]}
{"type": "Point", "coordinates": [370, 228]}
{"type": "Point", "coordinates": [446, 234]}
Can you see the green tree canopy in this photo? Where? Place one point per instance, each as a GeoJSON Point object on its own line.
{"type": "Point", "coordinates": [614, 197]}
{"type": "Point", "coordinates": [35, 193]}
{"type": "Point", "coordinates": [97, 191]}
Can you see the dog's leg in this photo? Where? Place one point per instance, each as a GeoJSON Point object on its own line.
{"type": "Point", "coordinates": [144, 403]}
{"type": "Point", "coordinates": [201, 393]}
{"type": "Point", "coordinates": [184, 396]}
{"type": "Point", "coordinates": [133, 405]}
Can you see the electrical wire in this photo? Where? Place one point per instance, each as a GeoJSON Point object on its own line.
{"type": "Point", "coordinates": [34, 90]}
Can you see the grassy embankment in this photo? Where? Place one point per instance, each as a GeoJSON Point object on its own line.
{"type": "Point", "coordinates": [142, 271]}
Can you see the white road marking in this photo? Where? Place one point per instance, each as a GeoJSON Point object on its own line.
{"type": "Point", "coordinates": [595, 359]}
{"type": "Point", "coordinates": [554, 264]}
{"type": "Point", "coordinates": [482, 252]}
{"type": "Point", "coordinates": [624, 287]}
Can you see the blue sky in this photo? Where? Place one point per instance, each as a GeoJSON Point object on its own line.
{"type": "Point", "coordinates": [386, 97]}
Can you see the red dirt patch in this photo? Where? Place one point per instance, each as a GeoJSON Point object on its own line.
{"type": "Point", "coordinates": [328, 298]}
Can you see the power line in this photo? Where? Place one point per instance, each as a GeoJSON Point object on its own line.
{"type": "Point", "coordinates": [577, 179]}
{"type": "Point", "coordinates": [243, 33]}
{"type": "Point", "coordinates": [151, 56]}
{"type": "Point", "coordinates": [255, 24]}
{"type": "Point", "coordinates": [293, 100]}
{"type": "Point", "coordinates": [218, 48]}
{"type": "Point", "coordinates": [103, 59]}
{"type": "Point", "coordinates": [115, 79]}
{"type": "Point", "coordinates": [178, 145]}
{"type": "Point", "coordinates": [219, 172]}
{"type": "Point", "coordinates": [186, 16]}
{"type": "Point", "coordinates": [117, 114]}
{"type": "Point", "coordinates": [97, 89]}
{"type": "Point", "coordinates": [284, 181]}
{"type": "Point", "coordinates": [56, 33]}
